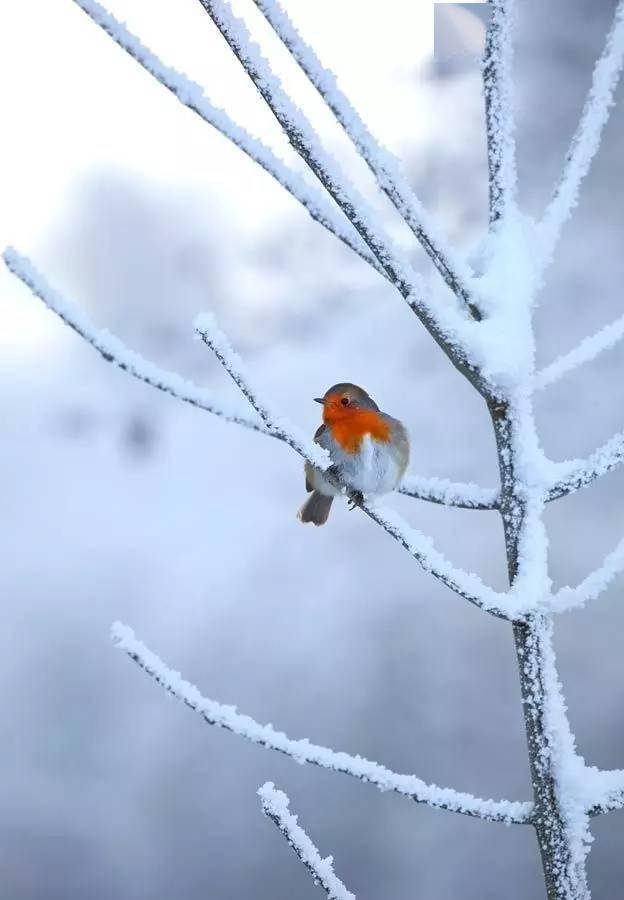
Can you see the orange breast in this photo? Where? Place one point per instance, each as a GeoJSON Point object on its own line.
{"type": "Point", "coordinates": [349, 428]}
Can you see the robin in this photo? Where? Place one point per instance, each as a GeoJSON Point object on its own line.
{"type": "Point", "coordinates": [368, 448]}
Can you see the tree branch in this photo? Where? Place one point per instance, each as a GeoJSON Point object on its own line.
{"type": "Point", "coordinates": [420, 547]}
{"type": "Point", "coordinates": [383, 166]}
{"type": "Point", "coordinates": [581, 472]}
{"type": "Point", "coordinates": [446, 326]}
{"type": "Point", "coordinates": [191, 95]}
{"type": "Point", "coordinates": [586, 139]}
{"type": "Point", "coordinates": [497, 89]}
{"type": "Point", "coordinates": [588, 349]}
{"type": "Point", "coordinates": [593, 585]}
{"type": "Point", "coordinates": [275, 806]}
{"type": "Point", "coordinates": [302, 751]}
{"type": "Point", "coordinates": [115, 352]}
{"type": "Point", "coordinates": [449, 493]}
{"type": "Point", "coordinates": [111, 349]}
{"type": "Point", "coordinates": [608, 792]}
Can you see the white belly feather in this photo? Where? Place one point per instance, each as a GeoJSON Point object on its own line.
{"type": "Point", "coordinates": [373, 470]}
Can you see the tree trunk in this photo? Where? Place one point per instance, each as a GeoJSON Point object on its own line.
{"type": "Point", "coordinates": [564, 878]}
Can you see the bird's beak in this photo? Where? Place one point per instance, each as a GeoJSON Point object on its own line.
{"type": "Point", "coordinates": [319, 400]}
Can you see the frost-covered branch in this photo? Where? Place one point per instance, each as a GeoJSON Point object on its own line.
{"type": "Point", "coordinates": [385, 169]}
{"type": "Point", "coordinates": [497, 89]}
{"type": "Point", "coordinates": [448, 493]}
{"type": "Point", "coordinates": [581, 472]}
{"type": "Point", "coordinates": [191, 95]}
{"type": "Point", "coordinates": [593, 585]}
{"type": "Point", "coordinates": [276, 806]}
{"type": "Point", "coordinates": [302, 751]}
{"type": "Point", "coordinates": [445, 324]}
{"type": "Point", "coordinates": [607, 791]}
{"type": "Point", "coordinates": [588, 349]}
{"type": "Point", "coordinates": [586, 139]}
{"type": "Point", "coordinates": [115, 352]}
{"type": "Point", "coordinates": [418, 545]}
{"type": "Point", "coordinates": [111, 349]}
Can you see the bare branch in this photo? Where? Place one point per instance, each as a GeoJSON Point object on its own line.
{"type": "Point", "coordinates": [588, 349]}
{"type": "Point", "coordinates": [191, 95]}
{"type": "Point", "coordinates": [586, 139]}
{"type": "Point", "coordinates": [111, 349]}
{"type": "Point", "coordinates": [497, 88]}
{"type": "Point", "coordinates": [383, 166]}
{"type": "Point", "coordinates": [302, 751]}
{"type": "Point", "coordinates": [276, 806]}
{"type": "Point", "coordinates": [445, 325]}
{"type": "Point", "coordinates": [581, 472]}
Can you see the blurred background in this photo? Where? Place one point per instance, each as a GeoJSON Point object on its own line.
{"type": "Point", "coordinates": [120, 503]}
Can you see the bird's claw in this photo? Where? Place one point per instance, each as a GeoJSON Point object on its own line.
{"type": "Point", "coordinates": [356, 499]}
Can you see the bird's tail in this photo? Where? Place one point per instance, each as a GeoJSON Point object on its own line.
{"type": "Point", "coordinates": [315, 509]}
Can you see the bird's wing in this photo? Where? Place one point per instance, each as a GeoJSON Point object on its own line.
{"type": "Point", "coordinates": [320, 437]}
{"type": "Point", "coordinates": [402, 443]}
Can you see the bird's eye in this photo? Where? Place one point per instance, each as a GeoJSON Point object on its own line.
{"type": "Point", "coordinates": [345, 401]}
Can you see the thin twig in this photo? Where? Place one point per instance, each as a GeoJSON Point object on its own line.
{"type": "Point", "coordinates": [497, 89]}
{"type": "Point", "coordinates": [445, 325]}
{"type": "Point", "coordinates": [383, 166]}
{"type": "Point", "coordinates": [191, 95]}
{"type": "Point", "coordinates": [582, 472]}
{"type": "Point", "coordinates": [588, 349]}
{"type": "Point", "coordinates": [114, 351]}
{"type": "Point", "coordinates": [586, 139]}
{"type": "Point", "coordinates": [302, 751]}
{"type": "Point", "coordinates": [276, 807]}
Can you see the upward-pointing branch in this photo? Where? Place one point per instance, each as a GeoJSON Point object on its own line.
{"type": "Point", "coordinates": [497, 86]}
{"type": "Point", "coordinates": [191, 95]}
{"type": "Point", "coordinates": [586, 139]}
{"type": "Point", "coordinates": [445, 325]}
{"type": "Point", "coordinates": [387, 174]}
{"type": "Point", "coordinates": [276, 807]}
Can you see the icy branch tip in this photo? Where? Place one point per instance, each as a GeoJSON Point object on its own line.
{"type": "Point", "coordinates": [122, 635]}
{"type": "Point", "coordinates": [273, 799]}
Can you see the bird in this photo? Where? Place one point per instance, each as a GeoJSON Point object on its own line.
{"type": "Point", "coordinates": [368, 448]}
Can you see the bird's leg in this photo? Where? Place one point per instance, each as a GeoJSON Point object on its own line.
{"type": "Point", "coordinates": [356, 498]}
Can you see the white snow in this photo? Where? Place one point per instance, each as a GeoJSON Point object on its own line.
{"type": "Point", "coordinates": [191, 95]}
{"type": "Point", "coordinates": [276, 806]}
{"type": "Point", "coordinates": [302, 751]}
{"type": "Point", "coordinates": [586, 139]}
{"type": "Point", "coordinates": [588, 349]}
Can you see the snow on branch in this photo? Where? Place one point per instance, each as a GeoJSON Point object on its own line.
{"type": "Point", "coordinates": [588, 349]}
{"type": "Point", "coordinates": [191, 95]}
{"type": "Point", "coordinates": [388, 175]}
{"type": "Point", "coordinates": [303, 752]}
{"type": "Point", "coordinates": [449, 493]}
{"type": "Point", "coordinates": [418, 545]}
{"type": "Point", "coordinates": [207, 329]}
{"type": "Point", "coordinates": [607, 793]}
{"type": "Point", "coordinates": [587, 137]}
{"type": "Point", "coordinates": [445, 324]}
{"type": "Point", "coordinates": [579, 473]}
{"type": "Point", "coordinates": [593, 585]}
{"type": "Point", "coordinates": [114, 351]}
{"type": "Point", "coordinates": [276, 806]}
{"type": "Point", "coordinates": [497, 88]}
